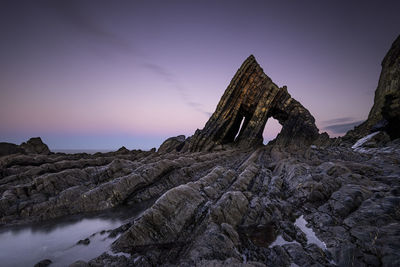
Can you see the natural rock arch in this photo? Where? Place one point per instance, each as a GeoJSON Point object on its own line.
{"type": "Point", "coordinates": [253, 97]}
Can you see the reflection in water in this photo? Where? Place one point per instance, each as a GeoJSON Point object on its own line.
{"type": "Point", "coordinates": [311, 237]}
{"type": "Point", "coordinates": [56, 240]}
{"type": "Point", "coordinates": [279, 241]}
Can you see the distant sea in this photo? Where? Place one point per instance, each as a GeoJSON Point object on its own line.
{"type": "Point", "coordinates": [73, 151]}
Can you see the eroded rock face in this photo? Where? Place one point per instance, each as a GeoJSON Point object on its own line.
{"type": "Point", "coordinates": [389, 82]}
{"type": "Point", "coordinates": [250, 99]}
{"type": "Point", "coordinates": [385, 113]}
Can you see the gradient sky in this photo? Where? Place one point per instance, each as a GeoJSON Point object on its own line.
{"type": "Point", "coordinates": [102, 74]}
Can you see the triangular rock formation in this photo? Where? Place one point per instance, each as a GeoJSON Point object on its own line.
{"type": "Point", "coordinates": [250, 99]}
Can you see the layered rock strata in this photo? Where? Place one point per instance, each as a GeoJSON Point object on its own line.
{"type": "Point", "coordinates": [240, 117]}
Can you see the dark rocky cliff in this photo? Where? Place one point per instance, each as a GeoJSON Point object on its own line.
{"type": "Point", "coordinates": [385, 113]}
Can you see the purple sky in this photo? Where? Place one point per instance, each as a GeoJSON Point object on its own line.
{"type": "Point", "coordinates": [102, 74]}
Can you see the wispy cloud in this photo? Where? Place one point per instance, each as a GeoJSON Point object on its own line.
{"type": "Point", "coordinates": [76, 15]}
{"type": "Point", "coordinates": [342, 127]}
{"type": "Point", "coordinates": [157, 69]}
{"type": "Point", "coordinates": [339, 120]}
{"type": "Point", "coordinates": [173, 80]}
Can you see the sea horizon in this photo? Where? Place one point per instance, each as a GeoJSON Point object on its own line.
{"type": "Point", "coordinates": [88, 151]}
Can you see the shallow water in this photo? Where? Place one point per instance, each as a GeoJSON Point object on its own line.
{"type": "Point", "coordinates": [57, 240]}
{"type": "Point", "coordinates": [279, 241]}
{"type": "Point", "coordinates": [310, 234]}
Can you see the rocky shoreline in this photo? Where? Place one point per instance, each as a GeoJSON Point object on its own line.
{"type": "Point", "coordinates": [223, 207]}
{"type": "Point", "coordinates": [221, 200]}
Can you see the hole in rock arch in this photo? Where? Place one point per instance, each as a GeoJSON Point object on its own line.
{"type": "Point", "coordinates": [271, 130]}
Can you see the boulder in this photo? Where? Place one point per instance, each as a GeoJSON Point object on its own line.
{"type": "Point", "coordinates": [172, 144]}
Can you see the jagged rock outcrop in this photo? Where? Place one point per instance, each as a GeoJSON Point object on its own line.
{"type": "Point", "coordinates": [385, 113]}
{"type": "Point", "coordinates": [250, 99]}
{"type": "Point", "coordinates": [34, 145]}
